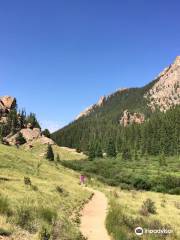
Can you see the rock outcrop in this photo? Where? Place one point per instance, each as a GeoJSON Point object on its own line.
{"type": "Point", "coordinates": [30, 135]}
{"type": "Point", "coordinates": [7, 103]}
{"type": "Point", "coordinates": [165, 93]}
{"type": "Point", "coordinates": [101, 101]}
{"type": "Point", "coordinates": [86, 112]}
{"type": "Point", "coordinates": [130, 118]}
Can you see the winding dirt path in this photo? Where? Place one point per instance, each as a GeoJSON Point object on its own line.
{"type": "Point", "coordinates": [93, 217]}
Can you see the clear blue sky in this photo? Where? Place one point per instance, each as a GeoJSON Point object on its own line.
{"type": "Point", "coordinates": [59, 56]}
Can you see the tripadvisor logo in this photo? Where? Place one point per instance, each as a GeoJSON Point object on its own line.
{"type": "Point", "coordinates": [139, 231]}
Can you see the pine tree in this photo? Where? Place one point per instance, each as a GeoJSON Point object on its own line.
{"type": "Point", "coordinates": [91, 151]}
{"type": "Point", "coordinates": [50, 154]}
{"type": "Point", "coordinates": [22, 118]}
{"type": "Point", "coordinates": [46, 133]}
{"type": "Point", "coordinates": [126, 154]}
{"type": "Point", "coordinates": [111, 149]}
{"type": "Point", "coordinates": [33, 120]}
{"type": "Point", "coordinates": [20, 139]}
{"type": "Point", "coordinates": [98, 153]}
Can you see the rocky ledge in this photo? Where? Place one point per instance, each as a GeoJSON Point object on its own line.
{"type": "Point", "coordinates": [130, 118]}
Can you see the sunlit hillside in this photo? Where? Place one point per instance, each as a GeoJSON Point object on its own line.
{"type": "Point", "coordinates": [38, 198]}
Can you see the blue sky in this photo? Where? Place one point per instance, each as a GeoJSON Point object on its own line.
{"type": "Point", "coordinates": [58, 57]}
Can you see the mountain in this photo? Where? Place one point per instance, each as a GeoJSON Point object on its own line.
{"type": "Point", "coordinates": [130, 107]}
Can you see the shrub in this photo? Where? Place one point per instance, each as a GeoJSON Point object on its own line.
{"type": "Point", "coordinates": [175, 191]}
{"type": "Point", "coordinates": [50, 154]}
{"type": "Point", "coordinates": [25, 218]}
{"type": "Point", "coordinates": [4, 206]}
{"type": "Point", "coordinates": [126, 154]}
{"type": "Point", "coordinates": [44, 234]}
{"type": "Point", "coordinates": [141, 183]}
{"type": "Point", "coordinates": [46, 133]}
{"type": "Point", "coordinates": [125, 186]}
{"type": "Point", "coordinates": [144, 211]}
{"type": "Point", "coordinates": [148, 207]}
{"type": "Point", "coordinates": [159, 188]}
{"type": "Point", "coordinates": [27, 181]}
{"type": "Point", "coordinates": [47, 214]}
{"type": "Point", "coordinates": [4, 232]}
{"type": "Point", "coordinates": [34, 188]}
{"type": "Point", "coordinates": [20, 139]}
{"type": "Point", "coordinates": [60, 189]}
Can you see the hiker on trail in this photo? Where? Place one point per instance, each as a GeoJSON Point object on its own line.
{"type": "Point", "coordinates": [82, 179]}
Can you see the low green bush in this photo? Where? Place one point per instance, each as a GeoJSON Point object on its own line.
{"type": "Point", "coordinates": [148, 207]}
{"type": "Point", "coordinates": [47, 214]}
{"type": "Point", "coordinates": [25, 217]}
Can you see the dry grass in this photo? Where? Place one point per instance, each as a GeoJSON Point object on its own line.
{"type": "Point", "coordinates": [166, 205]}
{"type": "Point", "coordinates": [15, 164]}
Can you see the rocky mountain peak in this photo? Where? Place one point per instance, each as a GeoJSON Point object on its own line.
{"type": "Point", "coordinates": [90, 109]}
{"type": "Point", "coordinates": [165, 93]}
{"type": "Point", "coordinates": [101, 101]}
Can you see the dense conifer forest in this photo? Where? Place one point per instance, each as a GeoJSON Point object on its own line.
{"type": "Point", "coordinates": [159, 134]}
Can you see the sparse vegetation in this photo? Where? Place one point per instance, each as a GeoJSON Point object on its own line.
{"type": "Point", "coordinates": [40, 205]}
{"type": "Point", "coordinates": [148, 207]}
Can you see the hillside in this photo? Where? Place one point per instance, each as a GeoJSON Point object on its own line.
{"type": "Point", "coordinates": [38, 197]}
{"type": "Point", "coordinates": [129, 108]}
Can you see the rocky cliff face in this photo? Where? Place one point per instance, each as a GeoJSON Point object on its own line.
{"type": "Point", "coordinates": [130, 118]}
{"type": "Point", "coordinates": [165, 93]}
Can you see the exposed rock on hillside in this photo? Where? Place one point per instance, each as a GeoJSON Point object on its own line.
{"type": "Point", "coordinates": [30, 135]}
{"type": "Point", "coordinates": [101, 101]}
{"type": "Point", "coordinates": [7, 103]}
{"type": "Point", "coordinates": [130, 118]}
{"type": "Point", "coordinates": [86, 112]}
{"type": "Point", "coordinates": [91, 108]}
{"type": "Point", "coordinates": [165, 93]}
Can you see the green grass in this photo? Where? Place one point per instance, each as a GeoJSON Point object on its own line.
{"type": "Point", "coordinates": [31, 209]}
{"type": "Point", "coordinates": [64, 153]}
{"type": "Point", "coordinates": [144, 173]}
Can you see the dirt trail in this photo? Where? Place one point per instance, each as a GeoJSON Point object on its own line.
{"type": "Point", "coordinates": [93, 217]}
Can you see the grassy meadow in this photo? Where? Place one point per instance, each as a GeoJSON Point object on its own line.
{"type": "Point", "coordinates": [63, 152]}
{"type": "Point", "coordinates": [38, 199]}
{"type": "Point", "coordinates": [150, 173]}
